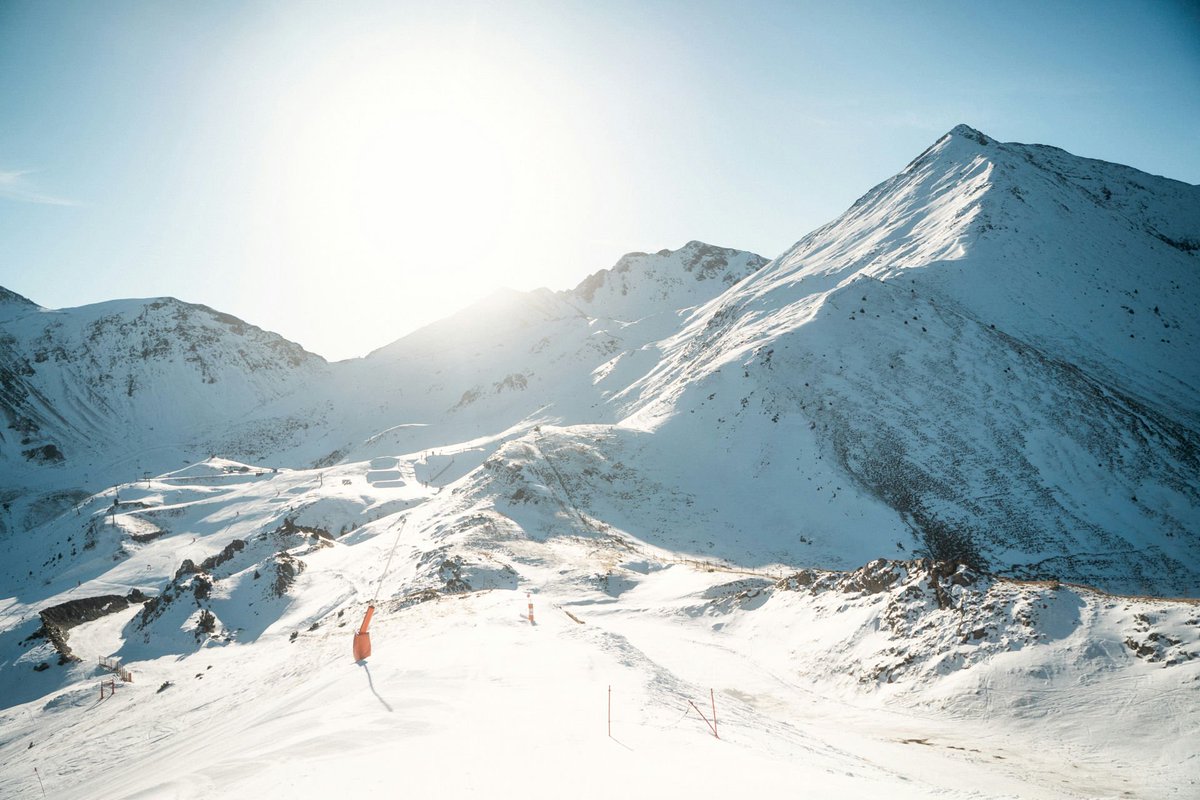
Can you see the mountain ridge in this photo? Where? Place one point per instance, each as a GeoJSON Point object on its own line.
{"type": "Point", "coordinates": [978, 253]}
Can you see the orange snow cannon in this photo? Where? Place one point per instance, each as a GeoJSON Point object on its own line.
{"type": "Point", "coordinates": [362, 639]}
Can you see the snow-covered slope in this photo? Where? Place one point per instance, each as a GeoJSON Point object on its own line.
{"type": "Point", "coordinates": [97, 394]}
{"type": "Point", "coordinates": [715, 479]}
{"type": "Point", "coordinates": [970, 344]}
{"type": "Point", "coordinates": [646, 289]}
{"type": "Point", "coordinates": [1091, 262]}
{"type": "Point", "coordinates": [90, 379]}
{"type": "Point", "coordinates": [513, 360]}
{"type": "Point", "coordinates": [908, 678]}
{"type": "Point", "coordinates": [14, 305]}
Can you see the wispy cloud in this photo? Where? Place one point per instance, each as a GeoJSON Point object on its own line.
{"type": "Point", "coordinates": [14, 186]}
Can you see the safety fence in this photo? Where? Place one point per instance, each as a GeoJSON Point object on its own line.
{"type": "Point", "coordinates": [114, 665]}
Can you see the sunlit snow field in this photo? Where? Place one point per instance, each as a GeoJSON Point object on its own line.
{"type": "Point", "coordinates": [464, 696]}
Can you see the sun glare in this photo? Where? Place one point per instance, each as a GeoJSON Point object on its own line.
{"type": "Point", "coordinates": [419, 173]}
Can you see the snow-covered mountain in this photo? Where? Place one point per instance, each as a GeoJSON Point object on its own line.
{"type": "Point", "coordinates": [106, 392]}
{"type": "Point", "coordinates": [995, 343]}
{"type": "Point", "coordinates": [717, 479]}
{"type": "Point", "coordinates": [99, 394]}
{"type": "Point", "coordinates": [988, 351]}
{"type": "Point", "coordinates": [540, 356]}
{"type": "Point", "coordinates": [162, 382]}
{"type": "Point", "coordinates": [642, 287]}
{"type": "Point", "coordinates": [133, 374]}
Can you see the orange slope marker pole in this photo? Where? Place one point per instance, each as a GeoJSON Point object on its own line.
{"type": "Point", "coordinates": [362, 638]}
{"type": "Point", "coordinates": [529, 597]}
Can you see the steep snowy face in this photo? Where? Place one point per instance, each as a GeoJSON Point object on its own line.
{"type": "Point", "coordinates": [993, 343]}
{"type": "Point", "coordinates": [922, 215]}
{"type": "Point", "coordinates": [1094, 263]}
{"type": "Point", "coordinates": [114, 380]}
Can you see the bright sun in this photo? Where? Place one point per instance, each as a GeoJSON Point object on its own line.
{"type": "Point", "coordinates": [418, 173]}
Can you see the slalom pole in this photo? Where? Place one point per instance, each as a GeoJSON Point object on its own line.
{"type": "Point", "coordinates": [39, 777]}
{"type": "Point", "coordinates": [706, 722]}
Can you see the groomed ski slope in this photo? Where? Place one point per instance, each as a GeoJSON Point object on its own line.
{"type": "Point", "coordinates": [464, 697]}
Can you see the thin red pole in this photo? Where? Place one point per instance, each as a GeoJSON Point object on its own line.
{"type": "Point", "coordinates": [713, 698]}
{"type": "Point", "coordinates": [706, 722]}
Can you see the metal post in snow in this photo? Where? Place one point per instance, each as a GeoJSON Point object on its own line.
{"type": "Point", "coordinates": [39, 777]}
{"type": "Point", "coordinates": [713, 698]}
{"type": "Point", "coordinates": [701, 713]}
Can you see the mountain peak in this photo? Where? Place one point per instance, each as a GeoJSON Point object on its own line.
{"type": "Point", "coordinates": [969, 133]}
{"type": "Point", "coordinates": [644, 283]}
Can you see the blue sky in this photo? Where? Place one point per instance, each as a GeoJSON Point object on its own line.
{"type": "Point", "coordinates": [344, 172]}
